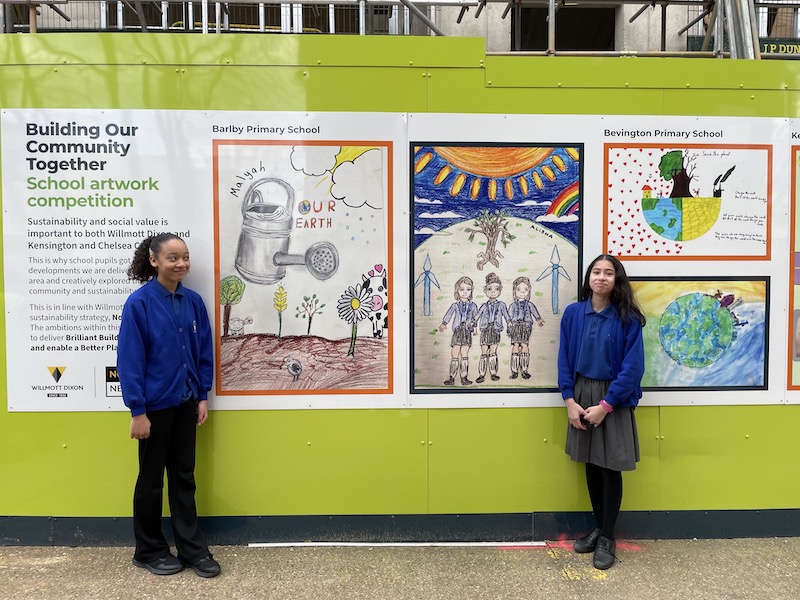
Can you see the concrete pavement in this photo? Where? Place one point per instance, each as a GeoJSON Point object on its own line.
{"type": "Point", "coordinates": [740, 569]}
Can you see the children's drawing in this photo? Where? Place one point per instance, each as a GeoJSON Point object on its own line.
{"type": "Point", "coordinates": [521, 315]}
{"type": "Point", "coordinates": [279, 304]}
{"type": "Point", "coordinates": [293, 367]}
{"type": "Point", "coordinates": [237, 325]}
{"type": "Point", "coordinates": [376, 283]}
{"type": "Point", "coordinates": [368, 300]}
{"type": "Point", "coordinates": [463, 314]}
{"type": "Point", "coordinates": [267, 222]}
{"type": "Point", "coordinates": [308, 308]}
{"type": "Point", "coordinates": [231, 291]}
{"type": "Point", "coordinates": [554, 272]}
{"type": "Point", "coordinates": [793, 314]}
{"type": "Point", "coordinates": [704, 333]}
{"type": "Point", "coordinates": [493, 225]}
{"type": "Point", "coordinates": [427, 278]}
{"type": "Point", "coordinates": [492, 319]}
{"type": "Point", "coordinates": [487, 220]}
{"type": "Point", "coordinates": [697, 201]}
{"type": "Point", "coordinates": [303, 225]}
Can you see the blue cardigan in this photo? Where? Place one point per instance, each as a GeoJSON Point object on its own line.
{"type": "Point", "coordinates": [157, 350]}
{"type": "Point", "coordinates": [627, 356]}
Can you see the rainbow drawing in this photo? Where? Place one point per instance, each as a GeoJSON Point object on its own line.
{"type": "Point", "coordinates": [566, 203]}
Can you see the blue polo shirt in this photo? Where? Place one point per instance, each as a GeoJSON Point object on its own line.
{"type": "Point", "coordinates": [176, 298]}
{"type": "Point", "coordinates": [594, 360]}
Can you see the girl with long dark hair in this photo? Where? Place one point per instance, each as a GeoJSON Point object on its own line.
{"type": "Point", "coordinates": [600, 369]}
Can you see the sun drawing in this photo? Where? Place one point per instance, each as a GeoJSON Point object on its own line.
{"type": "Point", "coordinates": [508, 170]}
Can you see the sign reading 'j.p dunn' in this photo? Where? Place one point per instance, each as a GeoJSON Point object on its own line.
{"type": "Point", "coordinates": [770, 45]}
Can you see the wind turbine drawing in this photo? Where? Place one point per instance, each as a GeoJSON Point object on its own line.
{"type": "Point", "coordinates": [426, 278]}
{"type": "Point", "coordinates": [554, 272]}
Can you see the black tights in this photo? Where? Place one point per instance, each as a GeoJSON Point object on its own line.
{"type": "Point", "coordinates": [605, 493]}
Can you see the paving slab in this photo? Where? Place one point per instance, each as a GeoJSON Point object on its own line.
{"type": "Point", "coordinates": [738, 569]}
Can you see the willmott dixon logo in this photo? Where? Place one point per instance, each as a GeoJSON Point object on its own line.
{"type": "Point", "coordinates": [57, 372]}
{"type": "Point", "coordinates": [57, 390]}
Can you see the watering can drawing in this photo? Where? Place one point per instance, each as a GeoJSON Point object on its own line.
{"type": "Point", "coordinates": [263, 251]}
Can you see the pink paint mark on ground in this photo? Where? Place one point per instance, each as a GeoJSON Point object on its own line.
{"type": "Point", "coordinates": [629, 547]}
{"type": "Point", "coordinates": [565, 544]}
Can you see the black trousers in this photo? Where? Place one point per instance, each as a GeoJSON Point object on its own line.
{"type": "Point", "coordinates": [171, 446]}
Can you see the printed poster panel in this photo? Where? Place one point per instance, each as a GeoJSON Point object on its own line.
{"type": "Point", "coordinates": [794, 279]}
{"type": "Point", "coordinates": [82, 187]}
{"type": "Point", "coordinates": [304, 262]}
{"type": "Point", "coordinates": [495, 260]}
{"type": "Point", "coordinates": [271, 204]}
{"type": "Point", "coordinates": [704, 333]}
{"type": "Point", "coordinates": [693, 201]}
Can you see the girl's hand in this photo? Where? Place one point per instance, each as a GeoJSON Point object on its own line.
{"type": "Point", "coordinates": [574, 412]}
{"type": "Point", "coordinates": [541, 323]}
{"type": "Point", "coordinates": [595, 415]}
{"type": "Point", "coordinates": [442, 327]}
{"type": "Point", "coordinates": [202, 412]}
{"type": "Point", "coordinates": [140, 427]}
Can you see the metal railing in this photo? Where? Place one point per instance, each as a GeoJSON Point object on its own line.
{"type": "Point", "coordinates": [757, 18]}
{"type": "Point", "coordinates": [364, 17]}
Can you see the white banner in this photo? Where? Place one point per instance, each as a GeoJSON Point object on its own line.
{"type": "Point", "coordinates": [330, 249]}
{"type": "Point", "coordinates": [288, 218]}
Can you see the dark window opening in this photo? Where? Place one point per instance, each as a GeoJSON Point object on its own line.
{"type": "Point", "coordinates": [576, 29]}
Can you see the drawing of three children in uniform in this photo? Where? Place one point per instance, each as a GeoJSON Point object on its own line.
{"type": "Point", "coordinates": [489, 318]}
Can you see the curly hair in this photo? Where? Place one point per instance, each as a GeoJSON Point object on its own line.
{"type": "Point", "coordinates": [622, 296]}
{"type": "Point", "coordinates": [493, 278]}
{"type": "Point", "coordinates": [140, 268]}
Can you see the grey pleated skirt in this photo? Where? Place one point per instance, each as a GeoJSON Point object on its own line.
{"type": "Point", "coordinates": [615, 444]}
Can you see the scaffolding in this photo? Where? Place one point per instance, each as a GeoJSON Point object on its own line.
{"type": "Point", "coordinates": [730, 27]}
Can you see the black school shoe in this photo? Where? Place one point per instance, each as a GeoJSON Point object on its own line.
{"type": "Point", "coordinates": [588, 542]}
{"type": "Point", "coordinates": [166, 565]}
{"type": "Point", "coordinates": [206, 567]}
{"type": "Point", "coordinates": [604, 553]}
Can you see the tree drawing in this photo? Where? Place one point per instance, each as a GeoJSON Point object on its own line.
{"type": "Point", "coordinates": [308, 309]}
{"type": "Point", "coordinates": [677, 167]}
{"type": "Point", "coordinates": [279, 303]}
{"type": "Point", "coordinates": [493, 225]}
{"type": "Point", "coordinates": [231, 290]}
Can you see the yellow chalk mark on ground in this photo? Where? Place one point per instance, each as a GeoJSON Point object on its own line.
{"type": "Point", "coordinates": [555, 552]}
{"type": "Point", "coordinates": [599, 575]}
{"type": "Point", "coordinates": [570, 574]}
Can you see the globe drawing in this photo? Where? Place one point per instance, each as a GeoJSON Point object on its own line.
{"type": "Point", "coordinates": [681, 219]}
{"type": "Point", "coordinates": [695, 330]}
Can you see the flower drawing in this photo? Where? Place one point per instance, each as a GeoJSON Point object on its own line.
{"type": "Point", "coordinates": [353, 307]}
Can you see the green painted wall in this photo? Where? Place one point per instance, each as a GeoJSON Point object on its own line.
{"type": "Point", "coordinates": [389, 461]}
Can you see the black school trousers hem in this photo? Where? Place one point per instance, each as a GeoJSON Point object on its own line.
{"type": "Point", "coordinates": [170, 447]}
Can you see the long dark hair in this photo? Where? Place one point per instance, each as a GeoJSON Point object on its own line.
{"type": "Point", "coordinates": [622, 296]}
{"type": "Point", "coordinates": [140, 268]}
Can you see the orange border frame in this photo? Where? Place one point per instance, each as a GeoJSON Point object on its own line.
{"type": "Point", "coordinates": [673, 257]}
{"type": "Point", "coordinates": [389, 259]}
